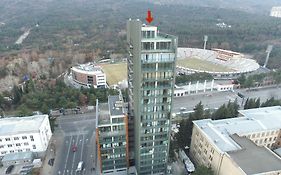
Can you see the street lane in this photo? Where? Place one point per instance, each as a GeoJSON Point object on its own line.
{"type": "Point", "coordinates": [77, 130]}
{"type": "Point", "coordinates": [214, 100]}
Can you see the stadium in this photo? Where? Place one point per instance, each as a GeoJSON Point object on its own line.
{"type": "Point", "coordinates": [221, 64]}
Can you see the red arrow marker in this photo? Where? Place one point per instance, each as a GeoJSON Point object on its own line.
{"type": "Point", "coordinates": [149, 18]}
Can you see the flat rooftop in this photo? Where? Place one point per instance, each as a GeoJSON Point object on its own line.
{"type": "Point", "coordinates": [103, 114]}
{"type": "Point", "coordinates": [18, 156]}
{"type": "Point", "coordinates": [253, 159]}
{"type": "Point", "coordinates": [253, 120]}
{"type": "Point", "coordinates": [114, 107]}
{"type": "Point", "coordinates": [18, 125]}
{"type": "Point", "coordinates": [89, 67]}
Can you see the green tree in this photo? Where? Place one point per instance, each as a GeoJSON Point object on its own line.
{"type": "Point", "coordinates": [23, 110]}
{"type": "Point", "coordinates": [17, 94]}
{"type": "Point", "coordinates": [198, 112]}
{"type": "Point", "coordinates": [202, 170]}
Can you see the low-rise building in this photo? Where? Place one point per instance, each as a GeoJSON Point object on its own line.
{"type": "Point", "coordinates": [112, 136]}
{"type": "Point", "coordinates": [276, 12]}
{"type": "Point", "coordinates": [18, 158]}
{"type": "Point", "coordinates": [24, 134]}
{"type": "Point", "coordinates": [202, 87]}
{"type": "Point", "coordinates": [89, 75]}
{"type": "Point", "coordinates": [241, 145]}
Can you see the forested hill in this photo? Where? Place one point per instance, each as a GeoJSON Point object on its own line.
{"type": "Point", "coordinates": [252, 6]}
{"type": "Point", "coordinates": [100, 25]}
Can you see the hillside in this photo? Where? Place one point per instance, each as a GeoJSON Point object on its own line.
{"type": "Point", "coordinates": [66, 32]}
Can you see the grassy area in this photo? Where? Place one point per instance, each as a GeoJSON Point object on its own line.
{"type": "Point", "coordinates": [195, 63]}
{"type": "Point", "coordinates": [115, 72]}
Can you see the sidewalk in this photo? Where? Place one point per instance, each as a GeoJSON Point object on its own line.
{"type": "Point", "coordinates": [54, 144]}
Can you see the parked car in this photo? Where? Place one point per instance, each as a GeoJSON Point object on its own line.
{"type": "Point", "coordinates": [74, 148]}
{"type": "Point", "coordinates": [10, 169]}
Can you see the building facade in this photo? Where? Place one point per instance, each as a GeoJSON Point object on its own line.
{"type": "Point", "coordinates": [276, 12]}
{"type": "Point", "coordinates": [21, 134]}
{"type": "Point", "coordinates": [112, 137]}
{"type": "Point", "coordinates": [89, 75]}
{"type": "Point", "coordinates": [151, 76]}
{"type": "Point", "coordinates": [239, 145]}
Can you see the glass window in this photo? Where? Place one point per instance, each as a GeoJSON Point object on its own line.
{"type": "Point", "coordinates": [7, 139]}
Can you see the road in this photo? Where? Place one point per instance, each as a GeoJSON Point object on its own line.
{"type": "Point", "coordinates": [77, 130]}
{"type": "Point", "coordinates": [214, 100]}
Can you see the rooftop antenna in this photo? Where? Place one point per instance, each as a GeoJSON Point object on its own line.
{"type": "Point", "coordinates": [268, 51]}
{"type": "Point", "coordinates": [205, 41]}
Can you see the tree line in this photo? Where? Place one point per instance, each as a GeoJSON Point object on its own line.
{"type": "Point", "coordinates": [31, 97]}
{"type": "Point", "coordinates": [198, 76]}
{"type": "Point", "coordinates": [273, 77]}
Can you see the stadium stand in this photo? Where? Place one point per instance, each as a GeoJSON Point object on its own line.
{"type": "Point", "coordinates": [237, 63]}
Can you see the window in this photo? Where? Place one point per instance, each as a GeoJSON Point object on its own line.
{"type": "Point", "coordinates": [31, 138]}
{"type": "Point", "coordinates": [19, 150]}
{"type": "Point", "coordinates": [34, 146]}
{"type": "Point", "coordinates": [26, 143]}
{"type": "Point", "coordinates": [12, 151]}
{"type": "Point", "coordinates": [16, 138]}
{"type": "Point", "coordinates": [10, 145]}
{"type": "Point", "coordinates": [7, 139]}
{"type": "Point", "coordinates": [24, 137]}
{"type": "Point", "coordinates": [17, 144]}
{"type": "Point", "coordinates": [1, 146]}
{"type": "Point", "coordinates": [0, 140]}
{"type": "Point", "coordinates": [27, 149]}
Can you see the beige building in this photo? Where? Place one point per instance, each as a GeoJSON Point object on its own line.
{"type": "Point", "coordinates": [239, 146]}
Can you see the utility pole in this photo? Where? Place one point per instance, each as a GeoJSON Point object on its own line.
{"type": "Point", "coordinates": [268, 51]}
{"type": "Point", "coordinates": [205, 41]}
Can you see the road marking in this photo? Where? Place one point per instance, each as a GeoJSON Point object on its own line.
{"type": "Point", "coordinates": [67, 156]}
{"type": "Point", "coordinates": [76, 143]}
{"type": "Point", "coordinates": [82, 148]}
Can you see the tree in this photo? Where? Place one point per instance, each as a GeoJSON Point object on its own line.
{"type": "Point", "coordinates": [202, 170]}
{"type": "Point", "coordinates": [17, 94]}
{"type": "Point", "coordinates": [198, 112]}
{"type": "Point", "coordinates": [23, 111]}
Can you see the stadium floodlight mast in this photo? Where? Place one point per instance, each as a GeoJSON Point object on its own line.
{"type": "Point", "coordinates": [205, 41]}
{"type": "Point", "coordinates": [268, 51]}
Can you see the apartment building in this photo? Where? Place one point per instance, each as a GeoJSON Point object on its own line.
{"type": "Point", "coordinates": [112, 136]}
{"type": "Point", "coordinates": [89, 75]}
{"type": "Point", "coordinates": [21, 134]}
{"type": "Point", "coordinates": [151, 76]}
{"type": "Point", "coordinates": [239, 145]}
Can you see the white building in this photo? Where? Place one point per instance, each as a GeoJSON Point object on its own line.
{"type": "Point", "coordinates": [276, 12]}
{"type": "Point", "coordinates": [20, 134]}
{"type": "Point", "coordinates": [239, 146]}
{"type": "Point", "coordinates": [201, 87]}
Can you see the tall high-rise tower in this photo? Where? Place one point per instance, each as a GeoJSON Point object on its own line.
{"type": "Point", "coordinates": [151, 76]}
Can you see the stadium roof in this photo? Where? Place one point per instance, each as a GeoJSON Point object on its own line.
{"type": "Point", "coordinates": [255, 120]}
{"type": "Point", "coordinates": [253, 159]}
{"type": "Point", "coordinates": [19, 125]}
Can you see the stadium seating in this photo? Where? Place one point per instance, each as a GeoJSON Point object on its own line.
{"type": "Point", "coordinates": [237, 64]}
